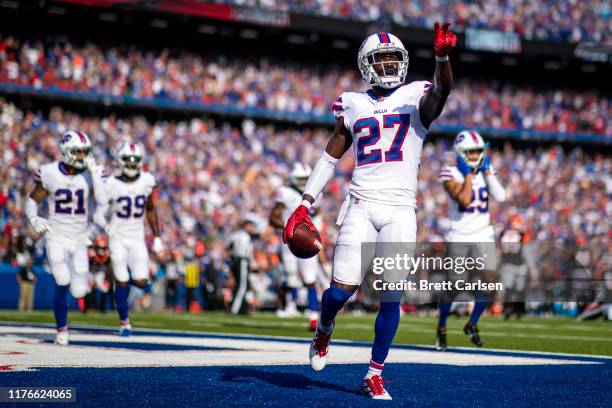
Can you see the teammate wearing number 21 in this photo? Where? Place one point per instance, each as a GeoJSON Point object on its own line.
{"type": "Point", "coordinates": [130, 195]}
{"type": "Point", "coordinates": [386, 126]}
{"type": "Point", "coordinates": [67, 185]}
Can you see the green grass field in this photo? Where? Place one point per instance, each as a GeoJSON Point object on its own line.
{"type": "Point", "coordinates": [531, 334]}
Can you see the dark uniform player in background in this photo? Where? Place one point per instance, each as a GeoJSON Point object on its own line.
{"type": "Point", "coordinates": [514, 269]}
{"type": "Point", "coordinates": [102, 272]}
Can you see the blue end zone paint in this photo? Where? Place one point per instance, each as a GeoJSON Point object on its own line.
{"type": "Point", "coordinates": [421, 385]}
{"type": "Point", "coordinates": [142, 346]}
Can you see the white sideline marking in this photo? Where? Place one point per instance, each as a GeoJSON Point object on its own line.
{"type": "Point", "coordinates": [22, 348]}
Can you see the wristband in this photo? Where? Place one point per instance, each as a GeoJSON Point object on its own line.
{"type": "Point", "coordinates": [306, 204]}
{"type": "Point", "coordinates": [442, 58]}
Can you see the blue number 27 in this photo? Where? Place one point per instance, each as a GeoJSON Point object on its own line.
{"type": "Point", "coordinates": [371, 124]}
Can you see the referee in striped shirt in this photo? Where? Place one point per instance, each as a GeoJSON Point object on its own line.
{"type": "Point", "coordinates": [240, 245]}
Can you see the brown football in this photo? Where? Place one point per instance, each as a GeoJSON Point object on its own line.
{"type": "Point", "coordinates": [305, 243]}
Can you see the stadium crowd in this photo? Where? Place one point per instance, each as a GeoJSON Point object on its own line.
{"type": "Point", "coordinates": [212, 176]}
{"type": "Point", "coordinates": [563, 20]}
{"type": "Point", "coordinates": [185, 77]}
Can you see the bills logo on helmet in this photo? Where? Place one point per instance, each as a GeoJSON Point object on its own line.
{"type": "Point", "coordinates": [459, 139]}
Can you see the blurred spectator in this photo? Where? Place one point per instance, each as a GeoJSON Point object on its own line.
{"type": "Point", "coordinates": [278, 86]}
{"type": "Point", "coordinates": [174, 269]}
{"type": "Point", "coordinates": [192, 283]}
{"type": "Point", "coordinates": [556, 20]}
{"type": "Point", "coordinates": [26, 277]}
{"type": "Point", "coordinates": [211, 175]}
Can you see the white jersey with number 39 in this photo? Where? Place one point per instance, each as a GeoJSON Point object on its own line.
{"type": "Point", "coordinates": [387, 140]}
{"type": "Point", "coordinates": [128, 203]}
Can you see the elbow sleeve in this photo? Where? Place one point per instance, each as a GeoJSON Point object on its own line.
{"type": "Point", "coordinates": [321, 175]}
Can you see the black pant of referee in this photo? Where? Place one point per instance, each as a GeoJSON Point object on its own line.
{"type": "Point", "coordinates": [240, 270]}
{"type": "Point", "coordinates": [241, 246]}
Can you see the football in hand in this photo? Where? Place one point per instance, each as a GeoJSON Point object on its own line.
{"type": "Point", "coordinates": [305, 243]}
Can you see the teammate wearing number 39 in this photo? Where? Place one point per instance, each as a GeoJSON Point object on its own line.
{"type": "Point", "coordinates": [469, 182]}
{"type": "Point", "coordinates": [386, 126]}
{"type": "Point", "coordinates": [67, 185]}
{"type": "Point", "coordinates": [130, 198]}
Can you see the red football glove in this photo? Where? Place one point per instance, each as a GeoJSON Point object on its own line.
{"type": "Point", "coordinates": [444, 40]}
{"type": "Point", "coordinates": [299, 216]}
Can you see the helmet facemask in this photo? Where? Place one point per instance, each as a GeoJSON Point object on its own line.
{"type": "Point", "coordinates": [130, 165]}
{"type": "Point", "coordinates": [75, 157]}
{"type": "Point", "coordinates": [474, 163]}
{"type": "Point", "coordinates": [394, 72]}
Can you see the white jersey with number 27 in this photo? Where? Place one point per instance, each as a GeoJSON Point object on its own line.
{"type": "Point", "coordinates": [387, 140]}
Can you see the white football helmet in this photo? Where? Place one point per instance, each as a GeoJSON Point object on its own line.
{"type": "Point", "coordinates": [75, 147]}
{"type": "Point", "coordinates": [469, 140]}
{"type": "Point", "coordinates": [383, 43]}
{"type": "Point", "coordinates": [130, 157]}
{"type": "Point", "coordinates": [299, 175]}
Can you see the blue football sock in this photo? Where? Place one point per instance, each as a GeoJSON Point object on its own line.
{"type": "Point", "coordinates": [444, 308]}
{"type": "Point", "coordinates": [332, 301]}
{"type": "Point", "coordinates": [121, 299]}
{"type": "Point", "coordinates": [294, 294]}
{"type": "Point", "coordinates": [60, 306]}
{"type": "Point", "coordinates": [313, 302]}
{"type": "Point", "coordinates": [385, 327]}
{"type": "Point", "coordinates": [479, 306]}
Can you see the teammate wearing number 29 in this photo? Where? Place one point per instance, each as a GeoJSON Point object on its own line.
{"type": "Point", "coordinates": [67, 185]}
{"type": "Point", "coordinates": [386, 126]}
{"type": "Point", "coordinates": [469, 182]}
{"type": "Point", "coordinates": [130, 196]}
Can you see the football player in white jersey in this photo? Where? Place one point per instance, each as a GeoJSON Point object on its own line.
{"type": "Point", "coordinates": [386, 126]}
{"type": "Point", "coordinates": [130, 198]}
{"type": "Point", "coordinates": [297, 270]}
{"type": "Point", "coordinates": [67, 184]}
{"type": "Point", "coordinates": [469, 183]}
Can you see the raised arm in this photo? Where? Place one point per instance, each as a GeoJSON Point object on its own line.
{"type": "Point", "coordinates": [432, 103]}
